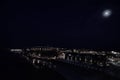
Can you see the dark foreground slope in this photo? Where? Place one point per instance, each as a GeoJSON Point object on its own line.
{"type": "Point", "coordinates": [14, 67]}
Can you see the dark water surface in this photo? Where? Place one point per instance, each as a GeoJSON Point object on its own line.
{"type": "Point", "coordinates": [72, 72]}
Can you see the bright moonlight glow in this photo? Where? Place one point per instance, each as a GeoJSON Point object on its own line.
{"type": "Point", "coordinates": [107, 13]}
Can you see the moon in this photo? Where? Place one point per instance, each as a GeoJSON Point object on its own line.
{"type": "Point", "coordinates": [107, 13]}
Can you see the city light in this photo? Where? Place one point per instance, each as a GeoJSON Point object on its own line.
{"type": "Point", "coordinates": [85, 58]}
{"type": "Point", "coordinates": [16, 50]}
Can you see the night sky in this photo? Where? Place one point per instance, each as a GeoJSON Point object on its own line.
{"type": "Point", "coordinates": [80, 24]}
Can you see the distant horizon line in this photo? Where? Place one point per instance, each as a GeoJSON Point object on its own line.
{"type": "Point", "coordinates": [85, 48]}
